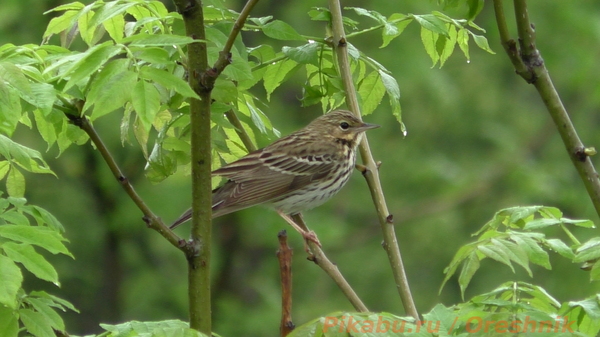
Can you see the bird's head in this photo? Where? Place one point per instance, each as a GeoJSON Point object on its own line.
{"type": "Point", "coordinates": [342, 125]}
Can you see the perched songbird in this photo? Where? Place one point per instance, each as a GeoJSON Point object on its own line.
{"type": "Point", "coordinates": [295, 173]}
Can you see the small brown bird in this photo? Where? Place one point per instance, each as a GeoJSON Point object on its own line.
{"type": "Point", "coordinates": [295, 173]}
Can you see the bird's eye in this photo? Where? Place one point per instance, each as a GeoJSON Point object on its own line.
{"type": "Point", "coordinates": [344, 125]}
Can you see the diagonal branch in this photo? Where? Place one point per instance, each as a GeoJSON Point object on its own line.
{"type": "Point", "coordinates": [150, 218]}
{"type": "Point", "coordinates": [370, 170]}
{"type": "Point", "coordinates": [530, 65]}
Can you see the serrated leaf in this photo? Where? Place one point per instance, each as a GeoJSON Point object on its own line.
{"type": "Point", "coordinates": [168, 80]}
{"type": "Point", "coordinates": [515, 253]}
{"type": "Point", "coordinates": [49, 314]}
{"type": "Point", "coordinates": [225, 91]}
{"type": "Point", "coordinates": [110, 89]}
{"type": "Point", "coordinates": [9, 322]}
{"type": "Point", "coordinates": [276, 73]}
{"type": "Point", "coordinates": [31, 260]}
{"type": "Point", "coordinates": [429, 40]}
{"type": "Point", "coordinates": [305, 54]}
{"type": "Point", "coordinates": [498, 253]}
{"type": "Point", "coordinates": [431, 23]}
{"type": "Point", "coordinates": [482, 43]}
{"type": "Point", "coordinates": [395, 25]}
{"type": "Point", "coordinates": [560, 247]}
{"type": "Point", "coordinates": [42, 237]}
{"type": "Point", "coordinates": [462, 39]}
{"type": "Point", "coordinates": [541, 223]}
{"type": "Point", "coordinates": [29, 159]}
{"type": "Point", "coordinates": [93, 59]}
{"type": "Point", "coordinates": [369, 13]}
{"type": "Point", "coordinates": [61, 23]}
{"type": "Point", "coordinates": [115, 27]}
{"type": "Point", "coordinates": [588, 251]}
{"type": "Point", "coordinates": [54, 301]}
{"type": "Point", "coordinates": [371, 91]}
{"type": "Point", "coordinates": [15, 183]}
{"type": "Point", "coordinates": [146, 102]}
{"type": "Point", "coordinates": [36, 323]}
{"type": "Point", "coordinates": [469, 268]}
{"type": "Point", "coordinates": [535, 253]}
{"type": "Point", "coordinates": [10, 281]}
{"type": "Point", "coordinates": [280, 30]}
{"type": "Point", "coordinates": [578, 223]}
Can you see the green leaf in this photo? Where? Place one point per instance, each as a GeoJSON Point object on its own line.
{"type": "Point", "coordinates": [53, 301]}
{"type": "Point", "coordinates": [61, 23]}
{"type": "Point", "coordinates": [225, 91]}
{"type": "Point", "coordinates": [514, 252]}
{"type": "Point", "coordinates": [276, 73]}
{"type": "Point", "coordinates": [29, 159]}
{"type": "Point", "coordinates": [146, 102]}
{"type": "Point", "coordinates": [595, 271]}
{"type": "Point", "coordinates": [4, 167]}
{"type": "Point", "coordinates": [535, 253]}
{"type": "Point", "coordinates": [110, 89]}
{"type": "Point", "coordinates": [393, 29]}
{"type": "Point", "coordinates": [36, 323]}
{"type": "Point", "coordinates": [15, 183]}
{"type": "Point", "coordinates": [462, 39]}
{"type": "Point", "coordinates": [43, 237]}
{"type": "Point", "coordinates": [469, 268]}
{"type": "Point", "coordinates": [115, 27]}
{"type": "Point", "coordinates": [475, 7]}
{"type": "Point", "coordinates": [153, 55]}
{"type": "Point", "coordinates": [498, 253]}
{"type": "Point", "coordinates": [369, 13]}
{"type": "Point", "coordinates": [157, 40]}
{"type": "Point", "coordinates": [93, 59]}
{"type": "Point", "coordinates": [429, 40]}
{"type": "Point", "coordinates": [482, 43]}
{"type": "Point", "coordinates": [280, 30]}
{"type": "Point", "coordinates": [541, 223]}
{"type": "Point", "coordinates": [10, 281]}
{"type": "Point", "coordinates": [578, 223]}
{"type": "Point", "coordinates": [41, 306]}
{"type": "Point", "coordinates": [168, 80]}
{"type": "Point", "coordinates": [305, 54]}
{"type": "Point", "coordinates": [9, 322]}
{"type": "Point", "coordinates": [588, 251]}
{"type": "Point", "coordinates": [560, 247]}
{"type": "Point", "coordinates": [31, 260]}
{"type": "Point", "coordinates": [431, 23]}
{"type": "Point", "coordinates": [371, 91]}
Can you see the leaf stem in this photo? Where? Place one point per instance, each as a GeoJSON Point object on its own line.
{"type": "Point", "coordinates": [371, 173]}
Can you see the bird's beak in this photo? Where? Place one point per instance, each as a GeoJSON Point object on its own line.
{"type": "Point", "coordinates": [366, 126]}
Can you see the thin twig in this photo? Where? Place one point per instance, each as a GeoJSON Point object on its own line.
{"type": "Point", "coordinates": [284, 254]}
{"type": "Point", "coordinates": [537, 74]}
{"type": "Point", "coordinates": [371, 173]}
{"type": "Point", "coordinates": [321, 260]}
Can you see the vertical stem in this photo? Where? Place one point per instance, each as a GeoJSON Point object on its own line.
{"type": "Point", "coordinates": [371, 173]}
{"type": "Point", "coordinates": [199, 262]}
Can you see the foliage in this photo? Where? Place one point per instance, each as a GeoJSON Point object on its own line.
{"type": "Point", "coordinates": [132, 63]}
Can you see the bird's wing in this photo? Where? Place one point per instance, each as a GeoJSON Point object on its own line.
{"type": "Point", "coordinates": [266, 174]}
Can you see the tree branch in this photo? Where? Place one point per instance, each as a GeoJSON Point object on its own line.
{"type": "Point", "coordinates": [371, 173]}
{"type": "Point", "coordinates": [199, 293]}
{"type": "Point", "coordinates": [284, 254]}
{"type": "Point", "coordinates": [150, 218]}
{"type": "Point", "coordinates": [537, 74]}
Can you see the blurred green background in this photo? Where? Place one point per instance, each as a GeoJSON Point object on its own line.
{"type": "Point", "coordinates": [479, 139]}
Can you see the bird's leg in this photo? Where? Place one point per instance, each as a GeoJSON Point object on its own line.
{"type": "Point", "coordinates": [306, 234]}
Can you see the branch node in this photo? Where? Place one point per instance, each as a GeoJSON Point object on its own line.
{"type": "Point", "coordinates": [581, 153]}
{"type": "Point", "coordinates": [342, 43]}
{"type": "Point", "coordinates": [147, 221]}
{"type": "Point", "coordinates": [361, 168]}
{"type": "Point", "coordinates": [378, 164]}
{"type": "Point", "coordinates": [389, 219]}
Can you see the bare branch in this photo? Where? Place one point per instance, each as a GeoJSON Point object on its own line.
{"type": "Point", "coordinates": [371, 173]}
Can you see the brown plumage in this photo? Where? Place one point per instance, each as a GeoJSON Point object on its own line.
{"type": "Point", "coordinates": [295, 173]}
